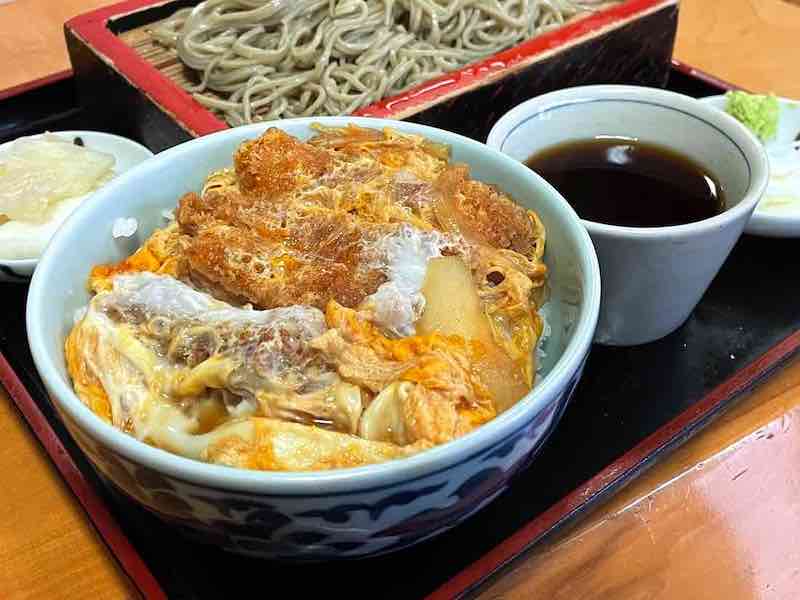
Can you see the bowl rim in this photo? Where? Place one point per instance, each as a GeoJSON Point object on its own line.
{"type": "Point", "coordinates": [336, 481]}
{"type": "Point", "coordinates": [30, 263]}
{"type": "Point", "coordinates": [752, 150]}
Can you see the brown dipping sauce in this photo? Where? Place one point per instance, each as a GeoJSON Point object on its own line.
{"type": "Point", "coordinates": [630, 183]}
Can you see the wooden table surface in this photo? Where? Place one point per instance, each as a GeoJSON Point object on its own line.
{"type": "Point", "coordinates": [752, 43]}
{"type": "Point", "coordinates": [719, 518]}
{"type": "Point", "coordinates": [32, 38]}
{"type": "Point", "coordinates": [48, 549]}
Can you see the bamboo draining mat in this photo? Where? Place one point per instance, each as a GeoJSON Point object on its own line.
{"type": "Point", "coordinates": [162, 58]}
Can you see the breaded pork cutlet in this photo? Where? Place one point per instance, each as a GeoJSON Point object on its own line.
{"type": "Point", "coordinates": [296, 222]}
{"type": "Point", "coordinates": [485, 215]}
{"type": "Point", "coordinates": [317, 258]}
{"type": "Point", "coordinates": [276, 163]}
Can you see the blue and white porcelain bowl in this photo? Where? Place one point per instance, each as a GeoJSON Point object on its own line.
{"type": "Point", "coordinates": [323, 515]}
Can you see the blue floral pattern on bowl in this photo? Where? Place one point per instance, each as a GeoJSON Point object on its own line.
{"type": "Point", "coordinates": [329, 526]}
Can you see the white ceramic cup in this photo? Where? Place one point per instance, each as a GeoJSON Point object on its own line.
{"type": "Point", "coordinates": [652, 277]}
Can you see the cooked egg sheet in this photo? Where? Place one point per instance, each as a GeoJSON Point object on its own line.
{"type": "Point", "coordinates": [326, 304]}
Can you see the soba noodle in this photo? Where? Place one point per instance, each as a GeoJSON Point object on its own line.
{"type": "Point", "coordinates": [270, 59]}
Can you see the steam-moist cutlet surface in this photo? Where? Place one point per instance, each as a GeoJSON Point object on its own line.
{"type": "Point", "coordinates": [336, 302]}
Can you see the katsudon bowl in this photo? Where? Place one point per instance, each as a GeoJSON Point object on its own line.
{"type": "Point", "coordinates": [352, 512]}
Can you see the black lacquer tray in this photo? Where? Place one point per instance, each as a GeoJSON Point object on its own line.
{"type": "Point", "coordinates": [632, 405]}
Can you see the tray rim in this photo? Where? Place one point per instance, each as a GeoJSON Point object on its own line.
{"type": "Point", "coordinates": [33, 84]}
{"type": "Point", "coordinates": [627, 467]}
{"type": "Point", "coordinates": [704, 76]}
{"type": "Point", "coordinates": [92, 29]}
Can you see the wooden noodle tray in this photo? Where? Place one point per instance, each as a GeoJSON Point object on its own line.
{"type": "Point", "coordinates": [130, 83]}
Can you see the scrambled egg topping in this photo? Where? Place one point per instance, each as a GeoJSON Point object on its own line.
{"type": "Point", "coordinates": [347, 300]}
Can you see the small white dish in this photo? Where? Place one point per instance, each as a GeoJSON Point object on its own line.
{"type": "Point", "coordinates": [771, 219]}
{"type": "Point", "coordinates": [127, 154]}
{"type": "Point", "coordinates": [652, 277]}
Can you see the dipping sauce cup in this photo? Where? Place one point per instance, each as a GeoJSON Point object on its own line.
{"type": "Point", "coordinates": [651, 277]}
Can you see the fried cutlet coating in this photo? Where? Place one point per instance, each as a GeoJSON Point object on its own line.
{"type": "Point", "coordinates": [482, 213]}
{"type": "Point", "coordinates": [277, 163]}
{"type": "Point", "coordinates": [319, 257]}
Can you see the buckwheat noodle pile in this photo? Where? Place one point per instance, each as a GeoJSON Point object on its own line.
{"type": "Point", "coordinates": [271, 59]}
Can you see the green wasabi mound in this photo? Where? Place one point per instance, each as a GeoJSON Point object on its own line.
{"type": "Point", "coordinates": [757, 112]}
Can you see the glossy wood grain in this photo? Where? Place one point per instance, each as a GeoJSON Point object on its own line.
{"type": "Point", "coordinates": [32, 37]}
{"type": "Point", "coordinates": [720, 518]}
{"type": "Point", "coordinates": [47, 547]}
{"type": "Point", "coordinates": [752, 43]}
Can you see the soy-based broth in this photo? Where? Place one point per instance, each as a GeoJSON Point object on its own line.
{"type": "Point", "coordinates": [630, 183]}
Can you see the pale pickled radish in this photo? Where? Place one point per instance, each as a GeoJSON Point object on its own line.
{"type": "Point", "coordinates": [24, 239]}
{"type": "Point", "coordinates": [38, 173]}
